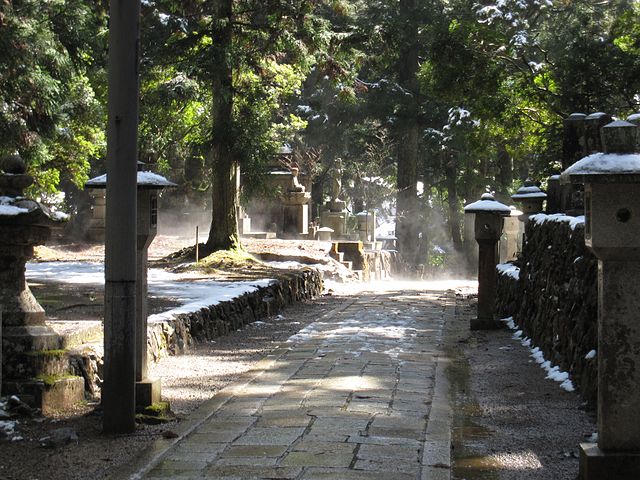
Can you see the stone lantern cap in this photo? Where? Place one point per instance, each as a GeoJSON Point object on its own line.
{"type": "Point", "coordinates": [595, 115]}
{"type": "Point", "coordinates": [618, 164]}
{"type": "Point", "coordinates": [145, 180]}
{"type": "Point", "coordinates": [576, 116]}
{"type": "Point", "coordinates": [15, 209]}
{"type": "Point", "coordinates": [634, 118]}
{"type": "Point", "coordinates": [488, 204]}
{"type": "Point", "coordinates": [529, 191]}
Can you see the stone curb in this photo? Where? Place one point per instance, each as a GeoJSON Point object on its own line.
{"type": "Point", "coordinates": [436, 456]}
{"type": "Point", "coordinates": [152, 455]}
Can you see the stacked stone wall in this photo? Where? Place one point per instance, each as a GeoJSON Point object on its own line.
{"type": "Point", "coordinates": [174, 336]}
{"type": "Point", "coordinates": [554, 298]}
{"type": "Point", "coordinates": [171, 337]}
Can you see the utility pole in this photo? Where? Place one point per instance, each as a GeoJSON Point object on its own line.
{"type": "Point", "coordinates": [118, 392]}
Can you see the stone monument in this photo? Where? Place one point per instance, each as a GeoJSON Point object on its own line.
{"type": "Point", "coordinates": [612, 233]}
{"type": "Point", "coordinates": [295, 211]}
{"type": "Point", "coordinates": [334, 215]}
{"type": "Point", "coordinates": [35, 366]}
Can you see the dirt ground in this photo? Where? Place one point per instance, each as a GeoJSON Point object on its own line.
{"type": "Point", "coordinates": [510, 423]}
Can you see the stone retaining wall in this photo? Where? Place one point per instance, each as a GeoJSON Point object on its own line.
{"type": "Point", "coordinates": [554, 297]}
{"type": "Point", "coordinates": [172, 337]}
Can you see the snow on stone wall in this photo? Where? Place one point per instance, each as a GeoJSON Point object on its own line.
{"type": "Point", "coordinates": [554, 298]}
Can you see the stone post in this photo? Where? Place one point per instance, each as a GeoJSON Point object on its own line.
{"type": "Point", "coordinates": [612, 232]}
{"type": "Point", "coordinates": [489, 222]}
{"type": "Point", "coordinates": [118, 391]}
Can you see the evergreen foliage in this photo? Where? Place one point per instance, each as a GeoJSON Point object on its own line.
{"type": "Point", "coordinates": [460, 95]}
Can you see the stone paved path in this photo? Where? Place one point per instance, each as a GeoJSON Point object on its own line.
{"type": "Point", "coordinates": [359, 394]}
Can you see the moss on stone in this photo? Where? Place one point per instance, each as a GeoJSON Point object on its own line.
{"type": "Point", "coordinates": [47, 353]}
{"type": "Point", "coordinates": [50, 380]}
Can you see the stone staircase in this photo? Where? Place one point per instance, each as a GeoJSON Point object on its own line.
{"type": "Point", "coordinates": [41, 364]}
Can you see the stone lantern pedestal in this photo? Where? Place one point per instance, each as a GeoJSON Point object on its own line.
{"type": "Point", "coordinates": [612, 232]}
{"type": "Point", "coordinates": [489, 222]}
{"type": "Point", "coordinates": [295, 214]}
{"type": "Point", "coordinates": [148, 391]}
{"type": "Point", "coordinates": [35, 365]}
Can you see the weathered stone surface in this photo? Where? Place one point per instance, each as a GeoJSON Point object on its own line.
{"type": "Point", "coordinates": [174, 336]}
{"type": "Point", "coordinates": [555, 299]}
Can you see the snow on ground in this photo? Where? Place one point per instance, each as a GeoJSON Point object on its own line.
{"type": "Point", "coordinates": [553, 372]}
{"type": "Point", "coordinates": [191, 289]}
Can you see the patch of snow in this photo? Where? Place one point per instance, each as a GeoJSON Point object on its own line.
{"type": "Point", "coordinates": [191, 289]}
{"type": "Point", "coordinates": [509, 270]}
{"type": "Point", "coordinates": [7, 427]}
{"type": "Point", "coordinates": [553, 372]}
{"type": "Point", "coordinates": [59, 216]}
{"type": "Point", "coordinates": [143, 178]}
{"type": "Point", "coordinates": [11, 211]}
{"type": "Point", "coordinates": [605, 163]}
{"type": "Point", "coordinates": [568, 386]}
{"type": "Point", "coordinates": [592, 354]}
{"type": "Point", "coordinates": [573, 222]}
{"type": "Point", "coordinates": [485, 205]}
{"type": "Point", "coordinates": [510, 323]}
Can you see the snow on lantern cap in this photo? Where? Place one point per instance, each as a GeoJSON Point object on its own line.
{"type": "Point", "coordinates": [148, 180]}
{"type": "Point", "coordinates": [618, 164]}
{"type": "Point", "coordinates": [529, 191]}
{"type": "Point", "coordinates": [488, 204]}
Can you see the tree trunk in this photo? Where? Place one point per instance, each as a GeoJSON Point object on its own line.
{"type": "Point", "coordinates": [223, 234]}
{"type": "Point", "coordinates": [407, 137]}
{"type": "Point", "coordinates": [455, 220]}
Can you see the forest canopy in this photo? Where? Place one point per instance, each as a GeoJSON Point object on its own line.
{"type": "Point", "coordinates": [425, 102]}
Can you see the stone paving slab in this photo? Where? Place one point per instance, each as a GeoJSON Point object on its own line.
{"type": "Point", "coordinates": [360, 393]}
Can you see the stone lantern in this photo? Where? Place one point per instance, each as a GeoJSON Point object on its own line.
{"type": "Point", "coordinates": [295, 213]}
{"type": "Point", "coordinates": [531, 198]}
{"type": "Point", "coordinates": [367, 228]}
{"type": "Point", "coordinates": [489, 222]}
{"type": "Point", "coordinates": [149, 184]}
{"type": "Point", "coordinates": [612, 232]}
{"type": "Point", "coordinates": [31, 349]}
